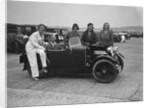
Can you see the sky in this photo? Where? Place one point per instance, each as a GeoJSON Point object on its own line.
{"type": "Point", "coordinates": [61, 14]}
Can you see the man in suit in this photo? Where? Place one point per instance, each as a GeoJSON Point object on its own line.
{"type": "Point", "coordinates": [52, 44]}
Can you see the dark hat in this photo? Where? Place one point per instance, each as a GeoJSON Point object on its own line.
{"type": "Point", "coordinates": [75, 25]}
{"type": "Point", "coordinates": [90, 24]}
{"type": "Point", "coordinates": [41, 25]}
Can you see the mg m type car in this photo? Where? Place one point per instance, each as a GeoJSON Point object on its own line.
{"type": "Point", "coordinates": [78, 59]}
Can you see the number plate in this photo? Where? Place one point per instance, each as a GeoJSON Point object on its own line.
{"type": "Point", "coordinates": [100, 52]}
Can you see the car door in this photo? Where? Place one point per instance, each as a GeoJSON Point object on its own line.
{"type": "Point", "coordinates": [77, 57]}
{"type": "Point", "coordinates": [72, 58]}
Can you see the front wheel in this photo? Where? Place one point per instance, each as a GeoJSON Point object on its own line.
{"type": "Point", "coordinates": [121, 62]}
{"type": "Point", "coordinates": [104, 71]}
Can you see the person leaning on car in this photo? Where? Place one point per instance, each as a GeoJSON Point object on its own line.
{"type": "Point", "coordinates": [106, 36]}
{"type": "Point", "coordinates": [89, 37]}
{"type": "Point", "coordinates": [73, 33]}
{"type": "Point", "coordinates": [35, 45]}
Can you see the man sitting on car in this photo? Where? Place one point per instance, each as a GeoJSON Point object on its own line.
{"type": "Point", "coordinates": [52, 44]}
{"type": "Point", "coordinates": [35, 45]}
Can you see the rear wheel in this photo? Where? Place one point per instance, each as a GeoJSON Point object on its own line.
{"type": "Point", "coordinates": [104, 71]}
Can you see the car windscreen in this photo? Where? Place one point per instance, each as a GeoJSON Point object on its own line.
{"type": "Point", "coordinates": [74, 41]}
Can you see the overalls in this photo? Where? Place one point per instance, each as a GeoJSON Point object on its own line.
{"type": "Point", "coordinates": [32, 48]}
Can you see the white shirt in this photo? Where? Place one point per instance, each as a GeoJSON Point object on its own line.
{"type": "Point", "coordinates": [33, 42]}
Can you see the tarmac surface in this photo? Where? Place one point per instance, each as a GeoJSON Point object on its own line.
{"type": "Point", "coordinates": [128, 86]}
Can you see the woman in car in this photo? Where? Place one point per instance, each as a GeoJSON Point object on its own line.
{"type": "Point", "coordinates": [73, 33]}
{"type": "Point", "coordinates": [89, 37]}
{"type": "Point", "coordinates": [35, 45]}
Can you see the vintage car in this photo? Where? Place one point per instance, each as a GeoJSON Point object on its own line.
{"type": "Point", "coordinates": [17, 36]}
{"type": "Point", "coordinates": [126, 34]}
{"type": "Point", "coordinates": [116, 37]}
{"type": "Point", "coordinates": [11, 35]}
{"type": "Point", "coordinates": [75, 58]}
{"type": "Point", "coordinates": [136, 34]}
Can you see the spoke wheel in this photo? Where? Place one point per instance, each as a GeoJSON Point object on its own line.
{"type": "Point", "coordinates": [104, 71]}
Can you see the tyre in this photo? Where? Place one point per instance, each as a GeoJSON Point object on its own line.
{"type": "Point", "coordinates": [121, 62]}
{"type": "Point", "coordinates": [104, 71]}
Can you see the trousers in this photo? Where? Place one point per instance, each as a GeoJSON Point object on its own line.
{"type": "Point", "coordinates": [32, 57]}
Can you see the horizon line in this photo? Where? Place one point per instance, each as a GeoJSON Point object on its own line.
{"type": "Point", "coordinates": [70, 26]}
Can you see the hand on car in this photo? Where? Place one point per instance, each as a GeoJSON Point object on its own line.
{"type": "Point", "coordinates": [41, 42]}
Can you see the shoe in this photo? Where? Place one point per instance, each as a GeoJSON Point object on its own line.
{"type": "Point", "coordinates": [35, 78]}
{"type": "Point", "coordinates": [44, 70]}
